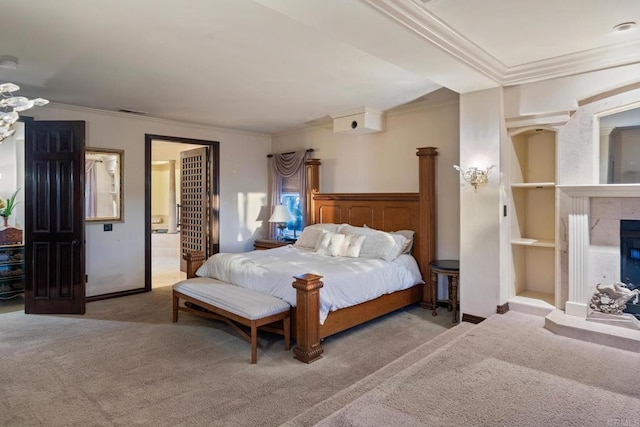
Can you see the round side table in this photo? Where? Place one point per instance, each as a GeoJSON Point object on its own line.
{"type": "Point", "coordinates": [451, 269]}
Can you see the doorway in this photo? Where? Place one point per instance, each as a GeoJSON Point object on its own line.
{"type": "Point", "coordinates": [12, 180]}
{"type": "Point", "coordinates": [168, 229]}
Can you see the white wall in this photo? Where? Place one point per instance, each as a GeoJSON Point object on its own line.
{"type": "Point", "coordinates": [160, 195]}
{"type": "Point", "coordinates": [387, 161]}
{"type": "Point", "coordinates": [115, 260]}
{"type": "Point", "coordinates": [482, 226]}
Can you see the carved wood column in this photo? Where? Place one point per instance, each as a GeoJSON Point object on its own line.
{"type": "Point", "coordinates": [578, 255]}
{"type": "Point", "coordinates": [312, 170]}
{"type": "Point", "coordinates": [427, 229]}
{"type": "Point", "coordinates": [308, 348]}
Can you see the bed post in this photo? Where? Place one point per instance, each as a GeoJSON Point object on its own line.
{"type": "Point", "coordinates": [194, 260]}
{"type": "Point", "coordinates": [312, 170]}
{"type": "Point", "coordinates": [308, 348]}
{"type": "Point", "coordinates": [427, 241]}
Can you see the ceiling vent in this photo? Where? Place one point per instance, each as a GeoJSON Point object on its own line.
{"type": "Point", "coordinates": [359, 121]}
{"type": "Point", "coordinates": [137, 113]}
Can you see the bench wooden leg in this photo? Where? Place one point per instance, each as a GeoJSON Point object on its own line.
{"type": "Point", "coordinates": [175, 307]}
{"type": "Point", "coordinates": [254, 342]}
{"type": "Point", "coordinates": [286, 325]}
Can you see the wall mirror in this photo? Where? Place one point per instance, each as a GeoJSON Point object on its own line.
{"type": "Point", "coordinates": [620, 147]}
{"type": "Point", "coordinates": [103, 178]}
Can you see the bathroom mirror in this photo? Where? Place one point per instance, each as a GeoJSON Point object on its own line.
{"type": "Point", "coordinates": [103, 178]}
{"type": "Point", "coordinates": [620, 147]}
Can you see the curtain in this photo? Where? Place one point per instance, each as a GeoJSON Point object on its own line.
{"type": "Point", "coordinates": [287, 165]}
{"type": "Point", "coordinates": [90, 189]}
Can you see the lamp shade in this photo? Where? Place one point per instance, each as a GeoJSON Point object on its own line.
{"type": "Point", "coordinates": [281, 214]}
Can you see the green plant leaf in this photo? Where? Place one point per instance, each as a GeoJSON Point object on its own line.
{"type": "Point", "coordinates": [10, 205]}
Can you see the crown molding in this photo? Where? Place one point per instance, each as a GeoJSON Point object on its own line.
{"type": "Point", "coordinates": [575, 63]}
{"type": "Point", "coordinates": [411, 107]}
{"type": "Point", "coordinates": [153, 119]}
{"type": "Point", "coordinates": [557, 118]}
{"type": "Point", "coordinates": [431, 28]}
{"type": "Point", "coordinates": [610, 93]}
{"type": "Point", "coordinates": [413, 15]}
{"type": "Point", "coordinates": [606, 130]}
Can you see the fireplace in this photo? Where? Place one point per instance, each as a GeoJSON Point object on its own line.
{"type": "Point", "coordinates": [630, 259]}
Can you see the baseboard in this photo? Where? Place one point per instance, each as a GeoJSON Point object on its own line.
{"type": "Point", "coordinates": [502, 309]}
{"type": "Point", "coordinates": [115, 295]}
{"type": "Point", "coordinates": [471, 318]}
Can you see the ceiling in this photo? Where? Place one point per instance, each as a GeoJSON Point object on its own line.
{"type": "Point", "coordinates": [270, 66]}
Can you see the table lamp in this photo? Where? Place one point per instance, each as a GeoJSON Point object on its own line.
{"type": "Point", "coordinates": [281, 216]}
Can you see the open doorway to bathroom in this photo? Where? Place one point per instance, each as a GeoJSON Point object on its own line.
{"type": "Point", "coordinates": [182, 198]}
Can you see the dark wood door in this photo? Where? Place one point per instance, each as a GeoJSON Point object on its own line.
{"type": "Point", "coordinates": [54, 218]}
{"type": "Point", "coordinates": [194, 218]}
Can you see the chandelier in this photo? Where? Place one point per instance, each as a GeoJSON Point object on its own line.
{"type": "Point", "coordinates": [11, 106]}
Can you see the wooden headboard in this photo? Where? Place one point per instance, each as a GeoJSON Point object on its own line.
{"type": "Point", "coordinates": [389, 211]}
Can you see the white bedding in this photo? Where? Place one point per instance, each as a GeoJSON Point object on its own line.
{"type": "Point", "coordinates": [347, 281]}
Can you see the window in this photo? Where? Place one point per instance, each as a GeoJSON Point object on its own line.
{"type": "Point", "coordinates": [290, 197]}
{"type": "Point", "coordinates": [289, 189]}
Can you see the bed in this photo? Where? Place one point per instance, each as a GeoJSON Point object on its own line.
{"type": "Point", "coordinates": [382, 211]}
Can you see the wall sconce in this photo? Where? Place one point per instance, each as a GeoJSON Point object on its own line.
{"type": "Point", "coordinates": [474, 175]}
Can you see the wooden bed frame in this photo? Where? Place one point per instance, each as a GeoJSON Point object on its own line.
{"type": "Point", "coordinates": [382, 211]}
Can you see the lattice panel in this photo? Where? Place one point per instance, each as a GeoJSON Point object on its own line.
{"type": "Point", "coordinates": [193, 217]}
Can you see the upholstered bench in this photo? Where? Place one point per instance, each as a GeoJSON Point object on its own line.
{"type": "Point", "coordinates": [233, 304]}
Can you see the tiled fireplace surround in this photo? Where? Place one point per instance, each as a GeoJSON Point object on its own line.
{"type": "Point", "coordinates": [590, 239]}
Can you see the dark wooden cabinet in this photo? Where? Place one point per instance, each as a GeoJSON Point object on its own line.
{"type": "Point", "coordinates": [11, 271]}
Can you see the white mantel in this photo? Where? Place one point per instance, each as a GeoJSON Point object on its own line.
{"type": "Point", "coordinates": [578, 235]}
{"type": "Point", "coordinates": [603, 190]}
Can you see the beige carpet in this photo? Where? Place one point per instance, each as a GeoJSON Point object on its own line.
{"type": "Point", "coordinates": [507, 371]}
{"type": "Point", "coordinates": [13, 304]}
{"type": "Point", "coordinates": [126, 363]}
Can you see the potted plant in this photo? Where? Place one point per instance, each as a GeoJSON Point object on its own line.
{"type": "Point", "coordinates": [7, 206]}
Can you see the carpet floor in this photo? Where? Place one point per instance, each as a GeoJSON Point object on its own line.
{"type": "Point", "coordinates": [126, 363]}
{"type": "Point", "coordinates": [506, 371]}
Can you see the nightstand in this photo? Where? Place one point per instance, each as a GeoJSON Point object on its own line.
{"type": "Point", "coordinates": [451, 269]}
{"type": "Point", "coordinates": [261, 244]}
{"type": "Point", "coordinates": [11, 271]}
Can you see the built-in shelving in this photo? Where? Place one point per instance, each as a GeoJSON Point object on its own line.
{"type": "Point", "coordinates": [534, 185]}
{"type": "Point", "coordinates": [532, 180]}
{"type": "Point", "coordinates": [543, 243]}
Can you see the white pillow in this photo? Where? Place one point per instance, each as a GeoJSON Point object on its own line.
{"type": "Point", "coordinates": [408, 234]}
{"type": "Point", "coordinates": [326, 227]}
{"type": "Point", "coordinates": [408, 244]}
{"type": "Point", "coordinates": [378, 244]}
{"type": "Point", "coordinates": [330, 243]}
{"type": "Point", "coordinates": [309, 238]}
{"type": "Point", "coordinates": [351, 245]}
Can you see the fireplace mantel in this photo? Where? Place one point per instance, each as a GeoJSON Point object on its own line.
{"type": "Point", "coordinates": [604, 190]}
{"type": "Point", "coordinates": [578, 236]}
